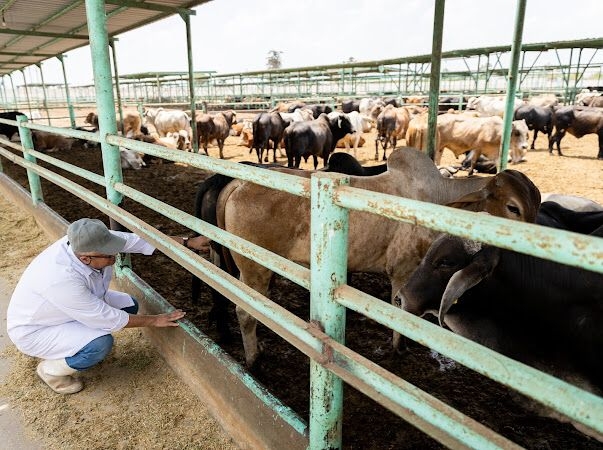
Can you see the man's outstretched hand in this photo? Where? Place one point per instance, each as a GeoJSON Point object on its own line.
{"type": "Point", "coordinates": [157, 320]}
{"type": "Point", "coordinates": [169, 319]}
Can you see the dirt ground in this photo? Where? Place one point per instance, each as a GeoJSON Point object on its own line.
{"type": "Point", "coordinates": [131, 401]}
{"type": "Point", "coordinates": [283, 369]}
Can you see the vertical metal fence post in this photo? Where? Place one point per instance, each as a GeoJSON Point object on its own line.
{"type": "Point", "coordinates": [3, 92]}
{"type": "Point", "coordinates": [328, 257]}
{"type": "Point", "coordinates": [45, 101]}
{"type": "Point", "coordinates": [434, 79]}
{"type": "Point", "coordinates": [99, 46]}
{"type": "Point", "coordinates": [512, 83]}
{"type": "Point", "coordinates": [35, 186]}
{"type": "Point", "coordinates": [12, 85]}
{"type": "Point", "coordinates": [191, 80]}
{"type": "Point", "coordinates": [117, 88]}
{"type": "Point", "coordinates": [69, 105]}
{"type": "Point", "coordinates": [26, 91]}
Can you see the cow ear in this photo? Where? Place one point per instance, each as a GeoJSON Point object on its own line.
{"type": "Point", "coordinates": [466, 200]}
{"type": "Point", "coordinates": [480, 267]}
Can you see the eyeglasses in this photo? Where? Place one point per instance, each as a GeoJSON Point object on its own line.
{"type": "Point", "coordinates": [101, 256]}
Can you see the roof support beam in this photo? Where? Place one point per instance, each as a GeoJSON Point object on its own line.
{"type": "Point", "coordinates": [82, 37]}
{"type": "Point", "coordinates": [151, 7]}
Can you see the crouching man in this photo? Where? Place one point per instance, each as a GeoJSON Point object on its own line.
{"type": "Point", "coordinates": [62, 309]}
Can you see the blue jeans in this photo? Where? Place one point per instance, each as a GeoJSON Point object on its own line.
{"type": "Point", "coordinates": [96, 350]}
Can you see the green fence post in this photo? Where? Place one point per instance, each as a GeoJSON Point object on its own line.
{"type": "Point", "coordinates": [434, 88]}
{"type": "Point", "coordinates": [117, 88]}
{"type": "Point", "coordinates": [99, 46]}
{"type": "Point", "coordinates": [35, 186]}
{"type": "Point", "coordinates": [45, 99]}
{"type": "Point", "coordinates": [328, 270]}
{"type": "Point", "coordinates": [512, 84]}
{"type": "Point", "coordinates": [69, 105]}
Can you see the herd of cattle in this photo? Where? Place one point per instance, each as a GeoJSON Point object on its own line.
{"type": "Point", "coordinates": [315, 130]}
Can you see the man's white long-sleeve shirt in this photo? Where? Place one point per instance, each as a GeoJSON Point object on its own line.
{"type": "Point", "coordinates": [60, 304]}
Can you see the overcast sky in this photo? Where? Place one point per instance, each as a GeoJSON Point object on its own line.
{"type": "Point", "coordinates": [236, 35]}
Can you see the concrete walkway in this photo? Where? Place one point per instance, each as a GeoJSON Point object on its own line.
{"type": "Point", "coordinates": [11, 427]}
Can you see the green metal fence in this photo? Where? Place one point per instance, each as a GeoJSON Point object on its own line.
{"type": "Point", "coordinates": [332, 362]}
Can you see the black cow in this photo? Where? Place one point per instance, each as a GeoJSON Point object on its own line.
{"type": "Point", "coordinates": [296, 105]}
{"type": "Point", "coordinates": [314, 138]}
{"type": "Point", "coordinates": [347, 106]}
{"type": "Point", "coordinates": [537, 118]}
{"type": "Point", "coordinates": [483, 164]}
{"type": "Point", "coordinates": [552, 214]}
{"type": "Point", "coordinates": [577, 121]}
{"type": "Point", "coordinates": [318, 109]}
{"type": "Point", "coordinates": [390, 101]}
{"type": "Point", "coordinates": [9, 130]}
{"type": "Point", "coordinates": [540, 312]}
{"type": "Point", "coordinates": [341, 162]}
{"type": "Point", "coordinates": [447, 103]}
{"type": "Point", "coordinates": [267, 126]}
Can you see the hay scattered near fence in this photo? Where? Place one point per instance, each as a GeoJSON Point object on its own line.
{"type": "Point", "coordinates": [132, 400]}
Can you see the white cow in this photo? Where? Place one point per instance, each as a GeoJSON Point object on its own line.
{"type": "Point", "coordinates": [491, 106]}
{"type": "Point", "coordinates": [585, 96]}
{"type": "Point", "coordinates": [130, 159]}
{"type": "Point", "coordinates": [371, 107]}
{"type": "Point", "coordinates": [166, 120]}
{"type": "Point", "coordinates": [360, 123]}
{"type": "Point", "coordinates": [544, 100]}
{"type": "Point", "coordinates": [299, 115]}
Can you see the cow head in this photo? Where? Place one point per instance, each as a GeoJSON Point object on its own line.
{"type": "Point", "coordinates": [509, 194]}
{"type": "Point", "coordinates": [519, 141]}
{"type": "Point", "coordinates": [342, 122]}
{"type": "Point", "coordinates": [184, 141]}
{"type": "Point", "coordinates": [425, 290]}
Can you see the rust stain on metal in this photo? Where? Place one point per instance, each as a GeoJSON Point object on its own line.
{"type": "Point", "coordinates": [327, 350]}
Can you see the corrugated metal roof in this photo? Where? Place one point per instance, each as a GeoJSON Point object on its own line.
{"type": "Point", "coordinates": [34, 30]}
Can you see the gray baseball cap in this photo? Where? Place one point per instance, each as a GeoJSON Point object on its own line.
{"type": "Point", "coordinates": [91, 235]}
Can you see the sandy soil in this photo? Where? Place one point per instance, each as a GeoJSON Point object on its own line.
{"type": "Point", "coordinates": [131, 401]}
{"type": "Point", "coordinates": [283, 369]}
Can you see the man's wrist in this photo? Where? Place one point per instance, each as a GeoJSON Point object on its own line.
{"type": "Point", "coordinates": [185, 242]}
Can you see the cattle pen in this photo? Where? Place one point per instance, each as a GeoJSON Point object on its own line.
{"type": "Point", "coordinates": [251, 414]}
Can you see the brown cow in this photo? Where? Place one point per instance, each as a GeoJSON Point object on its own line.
{"type": "Point", "coordinates": [596, 101]}
{"type": "Point", "coordinates": [462, 132]}
{"type": "Point", "coordinates": [392, 124]}
{"type": "Point", "coordinates": [132, 125]}
{"type": "Point", "coordinates": [280, 222]}
{"type": "Point", "coordinates": [92, 119]}
{"type": "Point", "coordinates": [216, 127]}
{"type": "Point", "coordinates": [50, 142]}
{"type": "Point", "coordinates": [577, 121]}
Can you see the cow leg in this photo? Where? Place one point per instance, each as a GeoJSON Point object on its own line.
{"type": "Point", "coordinates": [395, 141]}
{"type": "Point", "coordinates": [534, 140]}
{"type": "Point", "coordinates": [557, 139]}
{"type": "Point", "coordinates": [377, 148]}
{"type": "Point", "coordinates": [476, 155]}
{"type": "Point", "coordinates": [258, 278]}
{"type": "Point", "coordinates": [600, 133]}
{"type": "Point", "coordinates": [356, 142]}
{"type": "Point", "coordinates": [315, 158]}
{"type": "Point", "coordinates": [221, 147]}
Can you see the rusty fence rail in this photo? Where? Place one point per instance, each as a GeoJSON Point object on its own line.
{"type": "Point", "coordinates": [331, 361]}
